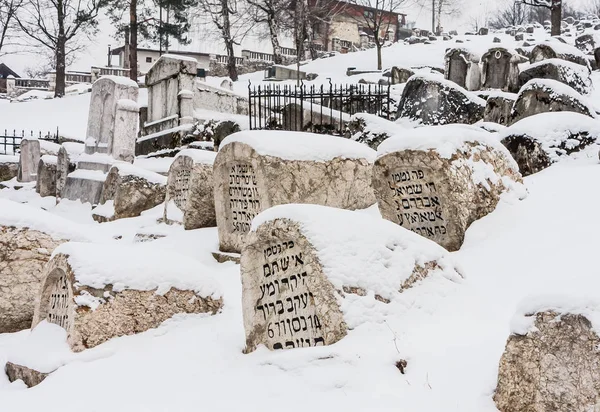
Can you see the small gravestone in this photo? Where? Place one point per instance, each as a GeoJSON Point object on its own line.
{"type": "Point", "coordinates": [435, 192]}
{"type": "Point", "coordinates": [29, 160]}
{"type": "Point", "coordinates": [433, 100]}
{"type": "Point", "coordinates": [498, 107]}
{"type": "Point", "coordinates": [556, 50]}
{"type": "Point", "coordinates": [538, 141]}
{"type": "Point", "coordinates": [500, 69]}
{"type": "Point", "coordinates": [298, 272]}
{"type": "Point", "coordinates": [78, 290]}
{"type": "Point", "coordinates": [9, 167]}
{"type": "Point", "coordinates": [462, 67]}
{"type": "Point", "coordinates": [189, 196]}
{"type": "Point", "coordinates": [546, 95]}
{"type": "Point", "coordinates": [572, 74]}
{"type": "Point", "coordinates": [259, 169]}
{"type": "Point", "coordinates": [46, 176]}
{"type": "Point", "coordinates": [400, 75]}
{"type": "Point", "coordinates": [66, 163]}
{"type": "Point", "coordinates": [551, 360]}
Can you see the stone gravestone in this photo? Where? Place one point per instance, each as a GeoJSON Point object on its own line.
{"type": "Point", "coordinates": [553, 363]}
{"type": "Point", "coordinates": [400, 75]}
{"type": "Point", "coordinates": [423, 187]}
{"type": "Point", "coordinates": [66, 163]}
{"type": "Point", "coordinates": [46, 176]}
{"type": "Point", "coordinates": [256, 170]}
{"type": "Point", "coordinates": [498, 107]}
{"type": "Point", "coordinates": [546, 95]}
{"type": "Point", "coordinates": [111, 136]}
{"type": "Point", "coordinates": [572, 74]}
{"type": "Point", "coordinates": [9, 167]}
{"type": "Point", "coordinates": [29, 160]}
{"type": "Point", "coordinates": [462, 67]}
{"type": "Point", "coordinates": [77, 291]}
{"type": "Point", "coordinates": [298, 268]}
{"type": "Point", "coordinates": [556, 50]}
{"type": "Point", "coordinates": [500, 69]}
{"type": "Point", "coordinates": [189, 196]}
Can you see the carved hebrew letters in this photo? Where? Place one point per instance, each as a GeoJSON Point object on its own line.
{"type": "Point", "coordinates": [60, 300]}
{"type": "Point", "coordinates": [418, 205]}
{"type": "Point", "coordinates": [286, 304]}
{"type": "Point", "coordinates": [182, 188]}
{"type": "Point", "coordinates": [243, 200]}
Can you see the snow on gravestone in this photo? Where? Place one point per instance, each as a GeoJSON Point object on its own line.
{"type": "Point", "coordinates": [538, 141]}
{"type": "Point", "coordinates": [546, 95]}
{"type": "Point", "coordinates": [551, 361]}
{"type": "Point", "coordinates": [306, 268]}
{"type": "Point", "coordinates": [190, 198]}
{"type": "Point", "coordinates": [462, 67]}
{"type": "Point", "coordinates": [29, 160]}
{"type": "Point", "coordinates": [97, 292]}
{"type": "Point", "coordinates": [256, 170]}
{"type": "Point", "coordinates": [571, 74]}
{"type": "Point", "coordinates": [557, 50]}
{"type": "Point", "coordinates": [436, 181]}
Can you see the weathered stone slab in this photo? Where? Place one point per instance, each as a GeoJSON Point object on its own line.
{"type": "Point", "coordinates": [556, 50]}
{"type": "Point", "coordinates": [9, 167]}
{"type": "Point", "coordinates": [551, 362]}
{"type": "Point", "coordinates": [462, 67]}
{"type": "Point", "coordinates": [85, 185]}
{"type": "Point", "coordinates": [498, 107]}
{"type": "Point", "coordinates": [28, 161]}
{"type": "Point", "coordinates": [546, 95]}
{"type": "Point", "coordinates": [572, 74]}
{"type": "Point", "coordinates": [79, 291]}
{"type": "Point", "coordinates": [400, 75]}
{"type": "Point", "coordinates": [427, 180]}
{"type": "Point", "coordinates": [435, 101]}
{"type": "Point", "coordinates": [259, 169]}
{"type": "Point", "coordinates": [299, 272]}
{"type": "Point", "coordinates": [538, 141]}
{"type": "Point", "coordinates": [46, 176]}
{"type": "Point", "coordinates": [189, 196]}
{"type": "Point", "coordinates": [29, 376]}
{"type": "Point", "coordinates": [500, 69]}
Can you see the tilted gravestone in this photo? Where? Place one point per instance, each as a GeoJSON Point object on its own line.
{"type": "Point", "coordinates": [66, 163]}
{"type": "Point", "coordinates": [462, 67]}
{"type": "Point", "coordinates": [572, 74]}
{"type": "Point", "coordinates": [299, 272]}
{"type": "Point", "coordinates": [46, 176]}
{"type": "Point", "coordinates": [551, 360]}
{"type": "Point", "coordinates": [538, 141]}
{"type": "Point", "coordinates": [430, 180]}
{"type": "Point", "coordinates": [256, 170]}
{"type": "Point", "coordinates": [500, 69]}
{"type": "Point", "coordinates": [189, 196]}
{"type": "Point", "coordinates": [546, 95]}
{"type": "Point", "coordinates": [29, 160]}
{"type": "Point", "coordinates": [79, 291]}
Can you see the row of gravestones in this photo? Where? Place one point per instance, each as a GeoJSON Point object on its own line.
{"type": "Point", "coordinates": [295, 258]}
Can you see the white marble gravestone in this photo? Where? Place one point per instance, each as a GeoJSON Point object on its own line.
{"type": "Point", "coordinates": [29, 160]}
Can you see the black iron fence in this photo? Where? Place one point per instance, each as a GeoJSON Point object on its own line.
{"type": "Point", "coordinates": [317, 109]}
{"type": "Point", "coordinates": [10, 141]}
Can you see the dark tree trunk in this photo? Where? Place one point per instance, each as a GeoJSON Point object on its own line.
{"type": "Point", "coordinates": [133, 33]}
{"type": "Point", "coordinates": [274, 32]}
{"type": "Point", "coordinates": [231, 66]}
{"type": "Point", "coordinates": [556, 17]}
{"type": "Point", "coordinates": [61, 41]}
{"type": "Point", "coordinates": [379, 63]}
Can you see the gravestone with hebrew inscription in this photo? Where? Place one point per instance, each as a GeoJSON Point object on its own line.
{"type": "Point", "coordinates": [256, 170]}
{"type": "Point", "coordinates": [298, 269]}
{"type": "Point", "coordinates": [189, 197]}
{"type": "Point", "coordinates": [429, 180]}
{"type": "Point", "coordinates": [77, 291]}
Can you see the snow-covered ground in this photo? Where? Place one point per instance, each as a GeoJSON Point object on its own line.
{"type": "Point", "coordinates": [451, 333]}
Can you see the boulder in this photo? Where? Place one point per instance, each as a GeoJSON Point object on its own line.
{"type": "Point", "coordinates": [540, 140]}
{"type": "Point", "coordinates": [9, 167]}
{"type": "Point", "coordinates": [98, 292]}
{"type": "Point", "coordinates": [128, 191]}
{"type": "Point", "coordinates": [572, 74]}
{"type": "Point", "coordinates": [189, 197]}
{"type": "Point", "coordinates": [500, 69]}
{"type": "Point", "coordinates": [551, 360]}
{"type": "Point", "coordinates": [46, 176]}
{"type": "Point", "coordinates": [557, 50]}
{"type": "Point", "coordinates": [546, 95]}
{"type": "Point", "coordinates": [301, 276]}
{"type": "Point", "coordinates": [587, 43]}
{"type": "Point", "coordinates": [436, 101]}
{"type": "Point", "coordinates": [462, 67]}
{"type": "Point", "coordinates": [431, 180]}
{"type": "Point", "coordinates": [498, 107]}
{"type": "Point", "coordinates": [256, 170]}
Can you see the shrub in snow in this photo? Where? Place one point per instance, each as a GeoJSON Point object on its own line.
{"type": "Point", "coordinates": [540, 140]}
{"type": "Point", "coordinates": [436, 101]}
{"type": "Point", "coordinates": [436, 181]}
{"type": "Point", "coordinates": [212, 131]}
{"type": "Point", "coordinates": [498, 107]}
{"type": "Point", "coordinates": [100, 291]}
{"type": "Point", "coordinates": [256, 170]}
{"type": "Point", "coordinates": [370, 129]}
{"type": "Point", "coordinates": [571, 74]}
{"type": "Point", "coordinates": [500, 69]}
{"type": "Point", "coordinates": [557, 50]}
{"type": "Point", "coordinates": [546, 95]}
{"type": "Point", "coordinates": [309, 273]}
{"type": "Point", "coordinates": [190, 199]}
{"type": "Point", "coordinates": [462, 67]}
{"type": "Point", "coordinates": [128, 191]}
{"type": "Point", "coordinates": [551, 361]}
{"type": "Point", "coordinates": [46, 176]}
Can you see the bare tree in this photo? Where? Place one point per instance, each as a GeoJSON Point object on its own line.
{"type": "Point", "coordinates": [439, 8]}
{"type": "Point", "coordinates": [555, 7]}
{"type": "Point", "coordinates": [56, 25]}
{"type": "Point", "coordinates": [8, 25]}
{"type": "Point", "coordinates": [270, 12]}
{"type": "Point", "coordinates": [513, 13]}
{"type": "Point", "coordinates": [593, 7]}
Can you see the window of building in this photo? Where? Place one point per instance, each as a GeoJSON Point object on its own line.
{"type": "Point", "coordinates": [148, 59]}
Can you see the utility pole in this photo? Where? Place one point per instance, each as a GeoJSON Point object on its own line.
{"type": "Point", "coordinates": [433, 16]}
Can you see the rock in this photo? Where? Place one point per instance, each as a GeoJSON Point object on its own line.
{"type": "Point", "coordinates": [77, 291]}
{"type": "Point", "coordinates": [529, 29]}
{"type": "Point", "coordinates": [462, 67]}
{"type": "Point", "coordinates": [497, 40]}
{"type": "Point", "coordinates": [540, 140]}
{"type": "Point", "coordinates": [545, 95]}
{"type": "Point", "coordinates": [296, 267]}
{"type": "Point", "coordinates": [128, 191]}
{"type": "Point", "coordinates": [256, 170]}
{"type": "Point", "coordinates": [434, 100]}
{"type": "Point", "coordinates": [483, 31]}
{"type": "Point", "coordinates": [46, 176]}
{"type": "Point", "coordinates": [190, 199]}
{"type": "Point", "coordinates": [552, 366]}
{"type": "Point", "coordinates": [574, 75]}
{"type": "Point", "coordinates": [9, 167]}
{"type": "Point", "coordinates": [557, 50]}
{"type": "Point", "coordinates": [499, 107]}
{"type": "Point", "coordinates": [500, 69]}
{"type": "Point", "coordinates": [587, 43]}
{"type": "Point", "coordinates": [28, 160]}
{"type": "Point", "coordinates": [23, 254]}
{"type": "Point", "coordinates": [519, 37]}
{"type": "Point", "coordinates": [401, 74]}
{"type": "Point", "coordinates": [437, 193]}
{"type": "Point", "coordinates": [30, 377]}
